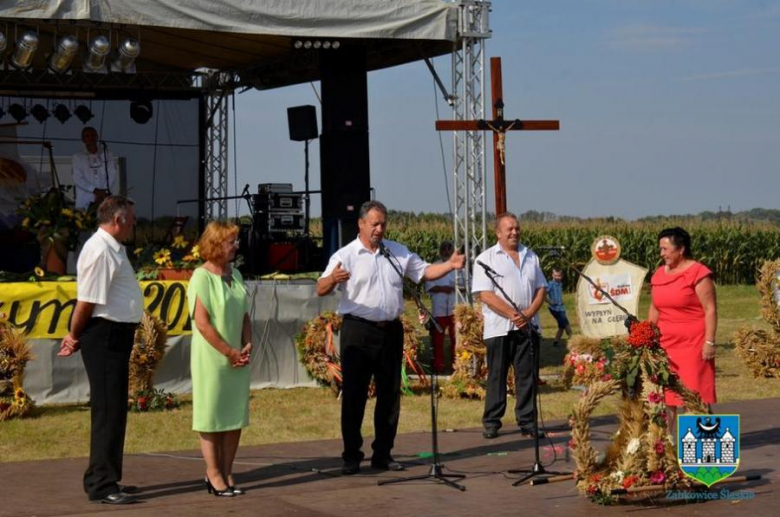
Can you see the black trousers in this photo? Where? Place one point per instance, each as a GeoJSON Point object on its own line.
{"type": "Point", "coordinates": [105, 349]}
{"type": "Point", "coordinates": [513, 349]}
{"type": "Point", "coordinates": [368, 350]}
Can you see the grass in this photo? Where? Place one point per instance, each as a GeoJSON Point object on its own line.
{"type": "Point", "coordinates": [63, 431]}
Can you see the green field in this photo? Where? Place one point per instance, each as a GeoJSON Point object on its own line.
{"type": "Point", "coordinates": [63, 431]}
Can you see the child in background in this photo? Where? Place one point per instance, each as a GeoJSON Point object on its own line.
{"type": "Point", "coordinates": [555, 304]}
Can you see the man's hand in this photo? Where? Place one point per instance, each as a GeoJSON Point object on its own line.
{"type": "Point", "coordinates": [69, 346]}
{"type": "Point", "coordinates": [339, 276]}
{"type": "Point", "coordinates": [520, 320]}
{"type": "Point", "coordinates": [457, 260]}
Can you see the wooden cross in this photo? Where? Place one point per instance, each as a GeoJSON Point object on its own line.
{"type": "Point", "coordinates": [499, 126]}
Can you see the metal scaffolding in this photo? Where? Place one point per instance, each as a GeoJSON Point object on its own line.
{"type": "Point", "coordinates": [468, 87]}
{"type": "Point", "coordinates": [216, 152]}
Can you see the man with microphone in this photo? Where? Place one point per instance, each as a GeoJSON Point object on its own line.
{"type": "Point", "coordinates": [368, 272]}
{"type": "Point", "coordinates": [509, 334]}
{"type": "Point", "coordinates": [94, 171]}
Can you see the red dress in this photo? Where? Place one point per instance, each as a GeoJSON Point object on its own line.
{"type": "Point", "coordinates": [681, 321]}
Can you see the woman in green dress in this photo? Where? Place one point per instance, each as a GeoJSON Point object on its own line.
{"type": "Point", "coordinates": [220, 352]}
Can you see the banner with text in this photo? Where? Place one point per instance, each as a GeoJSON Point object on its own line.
{"type": "Point", "coordinates": [44, 309]}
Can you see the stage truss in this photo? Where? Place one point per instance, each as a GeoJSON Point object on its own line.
{"type": "Point", "coordinates": [468, 87]}
{"type": "Point", "coordinates": [215, 175]}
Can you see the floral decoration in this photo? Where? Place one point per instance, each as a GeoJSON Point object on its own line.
{"type": "Point", "coordinates": [14, 356]}
{"type": "Point", "coordinates": [51, 215]}
{"type": "Point", "coordinates": [181, 254]}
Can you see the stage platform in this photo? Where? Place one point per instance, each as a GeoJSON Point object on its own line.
{"type": "Point", "coordinates": [304, 479]}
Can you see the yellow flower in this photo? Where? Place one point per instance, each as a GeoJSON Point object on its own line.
{"type": "Point", "coordinates": [138, 251]}
{"type": "Point", "coordinates": [25, 222]}
{"type": "Point", "coordinates": [67, 212]}
{"type": "Point", "coordinates": [189, 258]}
{"type": "Point", "coordinates": [44, 222]}
{"type": "Point", "coordinates": [465, 356]}
{"type": "Point", "coordinates": [20, 394]}
{"type": "Point", "coordinates": [39, 272]}
{"type": "Point", "coordinates": [179, 242]}
{"type": "Point", "coordinates": [196, 251]}
{"type": "Point", "coordinates": [163, 256]}
{"type": "Point", "coordinates": [20, 402]}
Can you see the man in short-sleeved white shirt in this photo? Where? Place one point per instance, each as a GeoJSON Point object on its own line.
{"type": "Point", "coordinates": [367, 272]}
{"type": "Point", "coordinates": [506, 331]}
{"type": "Point", "coordinates": [108, 309]}
{"type": "Point", "coordinates": [94, 171]}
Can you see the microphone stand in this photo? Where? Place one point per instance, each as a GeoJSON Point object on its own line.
{"type": "Point", "coordinates": [105, 166]}
{"type": "Point", "coordinates": [435, 473]}
{"type": "Point", "coordinates": [534, 338]}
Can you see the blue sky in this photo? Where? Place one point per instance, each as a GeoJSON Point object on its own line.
{"type": "Point", "coordinates": [666, 107]}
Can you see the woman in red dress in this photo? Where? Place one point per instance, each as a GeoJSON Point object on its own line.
{"type": "Point", "coordinates": [684, 308]}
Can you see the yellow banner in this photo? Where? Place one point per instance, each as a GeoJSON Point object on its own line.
{"type": "Point", "coordinates": [44, 309]}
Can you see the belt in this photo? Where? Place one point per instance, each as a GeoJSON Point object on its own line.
{"type": "Point", "coordinates": [378, 324]}
{"type": "Point", "coordinates": [120, 324]}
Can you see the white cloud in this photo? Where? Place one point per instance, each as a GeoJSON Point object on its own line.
{"type": "Point", "coordinates": [731, 74]}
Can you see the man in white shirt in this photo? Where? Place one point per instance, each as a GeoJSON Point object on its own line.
{"type": "Point", "coordinates": [108, 309]}
{"type": "Point", "coordinates": [442, 292]}
{"type": "Point", "coordinates": [366, 271]}
{"type": "Point", "coordinates": [94, 171]}
{"type": "Point", "coordinates": [506, 331]}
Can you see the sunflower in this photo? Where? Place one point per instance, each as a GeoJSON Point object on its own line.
{"type": "Point", "coordinates": [195, 251]}
{"type": "Point", "coordinates": [138, 251]}
{"type": "Point", "coordinates": [163, 257]}
{"type": "Point", "coordinates": [67, 212]}
{"type": "Point", "coordinates": [20, 394]}
{"type": "Point", "coordinates": [20, 403]}
{"type": "Point", "coordinates": [25, 222]}
{"type": "Point", "coordinates": [39, 272]}
{"type": "Point", "coordinates": [179, 242]}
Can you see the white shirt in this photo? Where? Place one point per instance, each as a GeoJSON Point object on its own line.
{"type": "Point", "coordinates": [89, 173]}
{"type": "Point", "coordinates": [443, 303]}
{"type": "Point", "coordinates": [106, 278]}
{"type": "Point", "coordinates": [374, 290]}
{"type": "Point", "coordinates": [520, 285]}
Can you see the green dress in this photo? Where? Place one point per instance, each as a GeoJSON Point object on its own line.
{"type": "Point", "coordinates": [220, 393]}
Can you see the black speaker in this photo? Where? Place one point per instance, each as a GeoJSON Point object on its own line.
{"type": "Point", "coordinates": [302, 121]}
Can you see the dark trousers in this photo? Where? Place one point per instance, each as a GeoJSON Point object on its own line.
{"type": "Point", "coordinates": [105, 349]}
{"type": "Point", "coordinates": [367, 350]}
{"type": "Point", "coordinates": [513, 349]}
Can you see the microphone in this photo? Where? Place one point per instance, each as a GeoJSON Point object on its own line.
{"type": "Point", "coordinates": [383, 250]}
{"type": "Point", "coordinates": [488, 269]}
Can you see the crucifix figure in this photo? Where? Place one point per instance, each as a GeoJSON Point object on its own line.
{"type": "Point", "coordinates": [499, 126]}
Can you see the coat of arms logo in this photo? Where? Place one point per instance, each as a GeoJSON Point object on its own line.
{"type": "Point", "coordinates": [708, 446]}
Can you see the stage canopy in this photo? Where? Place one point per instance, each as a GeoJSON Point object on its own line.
{"type": "Point", "coordinates": [256, 40]}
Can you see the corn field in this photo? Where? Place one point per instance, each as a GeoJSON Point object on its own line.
{"type": "Point", "coordinates": [734, 251]}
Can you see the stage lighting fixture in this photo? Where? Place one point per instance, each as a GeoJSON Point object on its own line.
{"type": "Point", "coordinates": [62, 58]}
{"type": "Point", "coordinates": [96, 57]}
{"type": "Point", "coordinates": [39, 113]}
{"type": "Point", "coordinates": [326, 44]}
{"type": "Point", "coordinates": [141, 111]}
{"type": "Point", "coordinates": [317, 44]}
{"type": "Point", "coordinates": [26, 46]}
{"type": "Point", "coordinates": [83, 113]}
{"type": "Point", "coordinates": [18, 112]}
{"type": "Point", "coordinates": [307, 44]}
{"type": "Point", "coordinates": [336, 45]}
{"type": "Point", "coordinates": [61, 113]}
{"type": "Point", "coordinates": [298, 44]}
{"type": "Point", "coordinates": [128, 51]}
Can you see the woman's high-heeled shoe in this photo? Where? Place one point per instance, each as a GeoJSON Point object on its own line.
{"type": "Point", "coordinates": [218, 493]}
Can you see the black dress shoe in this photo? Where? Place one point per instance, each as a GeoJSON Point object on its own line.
{"type": "Point", "coordinates": [389, 464]}
{"type": "Point", "coordinates": [128, 489]}
{"type": "Point", "coordinates": [350, 467]}
{"type": "Point", "coordinates": [117, 498]}
{"type": "Point", "coordinates": [490, 433]}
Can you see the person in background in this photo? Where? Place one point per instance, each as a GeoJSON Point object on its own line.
{"type": "Point", "coordinates": [555, 304]}
{"type": "Point", "coordinates": [220, 353]}
{"type": "Point", "coordinates": [685, 309]}
{"type": "Point", "coordinates": [94, 171]}
{"type": "Point", "coordinates": [108, 309]}
{"type": "Point", "coordinates": [442, 292]}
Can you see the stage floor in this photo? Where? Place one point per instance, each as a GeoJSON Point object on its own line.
{"type": "Point", "coordinates": [304, 479]}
